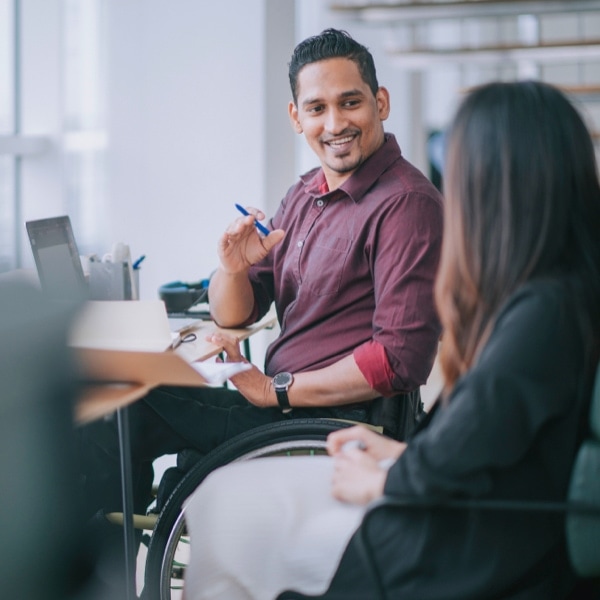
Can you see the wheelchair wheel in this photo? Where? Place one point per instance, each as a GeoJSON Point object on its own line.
{"type": "Point", "coordinates": [168, 550]}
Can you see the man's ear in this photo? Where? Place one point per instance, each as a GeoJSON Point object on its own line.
{"type": "Point", "coordinates": [293, 113]}
{"type": "Point", "coordinates": [382, 97]}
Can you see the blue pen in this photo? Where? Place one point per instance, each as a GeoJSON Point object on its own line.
{"type": "Point", "coordinates": [138, 262]}
{"type": "Point", "coordinates": [259, 226]}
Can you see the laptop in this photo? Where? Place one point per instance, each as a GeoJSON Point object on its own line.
{"type": "Point", "coordinates": [57, 259]}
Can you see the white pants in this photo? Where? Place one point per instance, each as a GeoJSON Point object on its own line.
{"type": "Point", "coordinates": [266, 525]}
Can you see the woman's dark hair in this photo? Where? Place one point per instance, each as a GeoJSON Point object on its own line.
{"type": "Point", "coordinates": [522, 201]}
{"type": "Point", "coordinates": [332, 43]}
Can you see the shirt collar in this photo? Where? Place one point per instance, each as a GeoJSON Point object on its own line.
{"type": "Point", "coordinates": [363, 178]}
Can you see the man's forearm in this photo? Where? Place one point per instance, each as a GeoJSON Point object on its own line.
{"type": "Point", "coordinates": [338, 384]}
{"type": "Point", "coordinates": [231, 298]}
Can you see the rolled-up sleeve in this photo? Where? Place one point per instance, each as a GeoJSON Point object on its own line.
{"type": "Point", "coordinates": [373, 363]}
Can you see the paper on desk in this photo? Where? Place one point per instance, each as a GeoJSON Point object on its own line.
{"type": "Point", "coordinates": [217, 372]}
{"type": "Point", "coordinates": [140, 325]}
{"type": "Point", "coordinates": [201, 307]}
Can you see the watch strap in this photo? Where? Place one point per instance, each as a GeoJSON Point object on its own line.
{"type": "Point", "coordinates": [283, 400]}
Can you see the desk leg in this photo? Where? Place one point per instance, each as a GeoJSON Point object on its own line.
{"type": "Point", "coordinates": [127, 495]}
{"type": "Point", "coordinates": [247, 349]}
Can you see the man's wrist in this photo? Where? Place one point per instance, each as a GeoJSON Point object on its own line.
{"type": "Point", "coordinates": [234, 273]}
{"type": "Point", "coordinates": [281, 383]}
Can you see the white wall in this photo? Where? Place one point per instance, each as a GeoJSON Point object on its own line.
{"type": "Point", "coordinates": [42, 190]}
{"type": "Point", "coordinates": [190, 102]}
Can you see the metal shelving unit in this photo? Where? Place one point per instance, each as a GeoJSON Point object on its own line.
{"type": "Point", "coordinates": [514, 38]}
{"type": "Point", "coordinates": [419, 53]}
{"type": "Point", "coordinates": [415, 10]}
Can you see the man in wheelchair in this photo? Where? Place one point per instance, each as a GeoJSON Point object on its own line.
{"type": "Point", "coordinates": [349, 262]}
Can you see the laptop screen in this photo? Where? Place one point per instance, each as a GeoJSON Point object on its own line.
{"type": "Point", "coordinates": [57, 258]}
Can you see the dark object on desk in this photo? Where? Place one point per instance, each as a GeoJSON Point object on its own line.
{"type": "Point", "coordinates": [203, 315]}
{"type": "Point", "coordinates": [180, 296]}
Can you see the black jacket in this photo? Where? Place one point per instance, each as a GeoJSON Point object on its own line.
{"type": "Point", "coordinates": [510, 430]}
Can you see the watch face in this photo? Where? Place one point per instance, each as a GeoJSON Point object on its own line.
{"type": "Point", "coordinates": [282, 380]}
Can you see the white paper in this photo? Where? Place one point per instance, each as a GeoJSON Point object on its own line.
{"type": "Point", "coordinates": [201, 307]}
{"type": "Point", "coordinates": [217, 372]}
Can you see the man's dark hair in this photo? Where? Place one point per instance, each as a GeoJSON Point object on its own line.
{"type": "Point", "coordinates": [332, 43]}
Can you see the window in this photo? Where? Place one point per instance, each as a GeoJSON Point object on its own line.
{"type": "Point", "coordinates": [7, 130]}
{"type": "Point", "coordinates": [84, 122]}
{"type": "Point", "coordinates": [52, 143]}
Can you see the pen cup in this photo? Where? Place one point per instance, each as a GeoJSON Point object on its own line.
{"type": "Point", "coordinates": [136, 284]}
{"type": "Point", "coordinates": [112, 281]}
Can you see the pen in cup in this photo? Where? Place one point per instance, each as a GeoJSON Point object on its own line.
{"type": "Point", "coordinates": [138, 262]}
{"type": "Point", "coordinates": [258, 225]}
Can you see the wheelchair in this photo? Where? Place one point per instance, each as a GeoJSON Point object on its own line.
{"type": "Point", "coordinates": [168, 549]}
{"type": "Point", "coordinates": [168, 545]}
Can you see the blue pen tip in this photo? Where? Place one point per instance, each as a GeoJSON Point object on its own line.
{"type": "Point", "coordinates": [258, 225]}
{"type": "Point", "coordinates": [138, 262]}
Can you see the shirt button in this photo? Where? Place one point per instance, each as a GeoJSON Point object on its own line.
{"type": "Point", "coordinates": [300, 244]}
{"type": "Point", "coordinates": [320, 203]}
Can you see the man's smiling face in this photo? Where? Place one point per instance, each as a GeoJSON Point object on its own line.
{"type": "Point", "coordinates": [339, 116]}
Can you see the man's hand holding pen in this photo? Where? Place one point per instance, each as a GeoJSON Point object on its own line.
{"type": "Point", "coordinates": [242, 246]}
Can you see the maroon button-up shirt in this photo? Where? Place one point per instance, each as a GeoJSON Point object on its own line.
{"type": "Point", "coordinates": [355, 272]}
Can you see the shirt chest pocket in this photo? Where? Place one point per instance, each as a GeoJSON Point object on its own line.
{"type": "Point", "coordinates": [324, 264]}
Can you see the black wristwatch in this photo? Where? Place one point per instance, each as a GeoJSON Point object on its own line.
{"type": "Point", "coordinates": [281, 383]}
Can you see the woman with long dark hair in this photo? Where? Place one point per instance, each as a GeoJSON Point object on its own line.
{"type": "Point", "coordinates": [518, 294]}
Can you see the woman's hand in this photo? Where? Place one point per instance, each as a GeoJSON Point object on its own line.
{"type": "Point", "coordinates": [375, 445]}
{"type": "Point", "coordinates": [357, 477]}
{"type": "Point", "coordinates": [253, 384]}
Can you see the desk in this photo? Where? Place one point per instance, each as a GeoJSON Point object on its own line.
{"type": "Point", "coordinates": [100, 400]}
{"type": "Point", "coordinates": [104, 399]}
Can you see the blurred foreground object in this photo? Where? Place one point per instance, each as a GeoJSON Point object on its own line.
{"type": "Point", "coordinates": [41, 555]}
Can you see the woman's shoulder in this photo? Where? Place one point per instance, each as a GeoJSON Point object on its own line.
{"type": "Point", "coordinates": [542, 317]}
{"type": "Point", "coordinates": [541, 298]}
